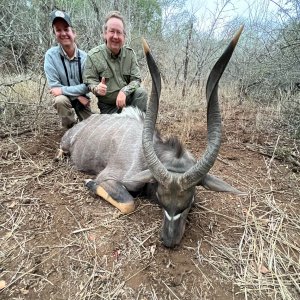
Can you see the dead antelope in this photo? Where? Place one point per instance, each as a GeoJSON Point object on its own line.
{"type": "Point", "coordinates": [128, 155]}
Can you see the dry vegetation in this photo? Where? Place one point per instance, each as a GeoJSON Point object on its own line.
{"type": "Point", "coordinates": [59, 242]}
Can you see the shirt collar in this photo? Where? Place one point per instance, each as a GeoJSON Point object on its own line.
{"type": "Point", "coordinates": [112, 55]}
{"type": "Point", "coordinates": [66, 55]}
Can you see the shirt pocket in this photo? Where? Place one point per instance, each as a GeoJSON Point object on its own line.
{"type": "Point", "coordinates": [127, 71]}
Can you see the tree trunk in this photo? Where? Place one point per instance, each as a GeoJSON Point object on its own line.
{"type": "Point", "coordinates": [186, 60]}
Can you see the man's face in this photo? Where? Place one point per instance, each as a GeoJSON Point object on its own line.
{"type": "Point", "coordinates": [114, 35]}
{"type": "Point", "coordinates": [64, 33]}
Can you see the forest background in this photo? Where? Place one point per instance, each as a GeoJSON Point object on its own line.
{"type": "Point", "coordinates": [186, 38]}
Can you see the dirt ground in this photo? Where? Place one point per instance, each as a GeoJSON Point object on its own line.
{"type": "Point", "coordinates": [60, 242]}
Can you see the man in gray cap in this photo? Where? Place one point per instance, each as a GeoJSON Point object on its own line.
{"type": "Point", "coordinates": [63, 67]}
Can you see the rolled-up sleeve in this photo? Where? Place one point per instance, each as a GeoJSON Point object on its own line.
{"type": "Point", "coordinates": [90, 74]}
{"type": "Point", "coordinates": [135, 76]}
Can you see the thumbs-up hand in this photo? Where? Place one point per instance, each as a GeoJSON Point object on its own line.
{"type": "Point", "coordinates": [101, 87]}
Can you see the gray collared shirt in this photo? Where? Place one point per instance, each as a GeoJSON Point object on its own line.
{"type": "Point", "coordinates": [56, 75]}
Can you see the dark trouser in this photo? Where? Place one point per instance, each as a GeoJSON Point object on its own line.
{"type": "Point", "coordinates": [65, 109]}
{"type": "Point", "coordinates": [138, 99]}
{"type": "Point", "coordinates": [82, 111]}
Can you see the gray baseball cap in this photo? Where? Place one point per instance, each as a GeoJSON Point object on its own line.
{"type": "Point", "coordinates": [58, 14]}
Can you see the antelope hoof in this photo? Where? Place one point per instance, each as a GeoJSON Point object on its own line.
{"type": "Point", "coordinates": [59, 155]}
{"type": "Point", "coordinates": [91, 185]}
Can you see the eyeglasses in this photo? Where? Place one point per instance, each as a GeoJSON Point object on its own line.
{"type": "Point", "coordinates": [115, 32]}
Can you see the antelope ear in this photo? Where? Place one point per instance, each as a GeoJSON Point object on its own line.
{"type": "Point", "coordinates": [144, 176]}
{"type": "Point", "coordinates": [216, 184]}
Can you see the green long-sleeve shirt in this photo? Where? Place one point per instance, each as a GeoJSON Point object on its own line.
{"type": "Point", "coordinates": [120, 73]}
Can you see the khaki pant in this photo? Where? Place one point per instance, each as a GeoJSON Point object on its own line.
{"type": "Point", "coordinates": [68, 112]}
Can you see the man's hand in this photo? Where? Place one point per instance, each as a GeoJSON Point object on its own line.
{"type": "Point", "coordinates": [84, 101]}
{"type": "Point", "coordinates": [56, 91]}
{"type": "Point", "coordinates": [121, 100]}
{"type": "Point", "coordinates": [101, 87]}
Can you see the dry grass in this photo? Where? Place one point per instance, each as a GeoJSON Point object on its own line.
{"type": "Point", "coordinates": [266, 262]}
{"type": "Point", "coordinates": [59, 242]}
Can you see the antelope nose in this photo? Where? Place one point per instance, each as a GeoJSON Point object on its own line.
{"type": "Point", "coordinates": [169, 243]}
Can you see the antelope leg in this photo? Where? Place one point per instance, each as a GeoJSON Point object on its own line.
{"type": "Point", "coordinates": [114, 193]}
